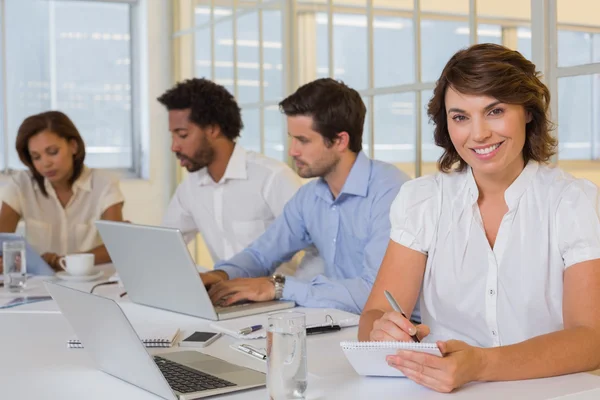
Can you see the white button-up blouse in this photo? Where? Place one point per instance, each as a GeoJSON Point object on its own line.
{"type": "Point", "coordinates": [513, 292]}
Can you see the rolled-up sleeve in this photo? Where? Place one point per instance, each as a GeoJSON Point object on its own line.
{"type": "Point", "coordinates": [111, 194]}
{"type": "Point", "coordinates": [413, 215]}
{"type": "Point", "coordinates": [578, 223]}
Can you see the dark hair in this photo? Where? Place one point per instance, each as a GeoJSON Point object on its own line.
{"type": "Point", "coordinates": [495, 71]}
{"type": "Point", "coordinates": [210, 104]}
{"type": "Point", "coordinates": [334, 108]}
{"type": "Point", "coordinates": [57, 123]}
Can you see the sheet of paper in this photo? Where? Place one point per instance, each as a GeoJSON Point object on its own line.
{"type": "Point", "coordinates": [314, 316]}
{"type": "Point", "coordinates": [25, 300]}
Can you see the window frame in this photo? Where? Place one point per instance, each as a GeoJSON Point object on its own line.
{"type": "Point", "coordinates": [135, 14]}
{"type": "Point", "coordinates": [542, 22]}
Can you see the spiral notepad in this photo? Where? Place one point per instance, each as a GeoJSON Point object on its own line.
{"type": "Point", "coordinates": [368, 358]}
{"type": "Point", "coordinates": [150, 338]}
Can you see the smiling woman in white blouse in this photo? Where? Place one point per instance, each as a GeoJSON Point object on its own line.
{"type": "Point", "coordinates": [500, 250]}
{"type": "Point", "coordinates": [58, 198]}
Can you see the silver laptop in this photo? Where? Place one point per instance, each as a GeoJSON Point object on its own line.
{"type": "Point", "coordinates": [109, 338]}
{"type": "Point", "coordinates": [35, 264]}
{"type": "Point", "coordinates": [157, 270]}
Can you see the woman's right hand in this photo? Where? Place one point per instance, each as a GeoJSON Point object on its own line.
{"type": "Point", "coordinates": [393, 327]}
{"type": "Point", "coordinates": [53, 260]}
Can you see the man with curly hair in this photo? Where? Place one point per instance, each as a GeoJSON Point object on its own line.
{"type": "Point", "coordinates": [230, 195]}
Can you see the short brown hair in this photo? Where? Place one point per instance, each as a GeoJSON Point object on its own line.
{"type": "Point", "coordinates": [495, 71]}
{"type": "Point", "coordinates": [57, 123]}
{"type": "Point", "coordinates": [334, 108]}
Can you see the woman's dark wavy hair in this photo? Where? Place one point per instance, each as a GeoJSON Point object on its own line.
{"type": "Point", "coordinates": [495, 71]}
{"type": "Point", "coordinates": [59, 124]}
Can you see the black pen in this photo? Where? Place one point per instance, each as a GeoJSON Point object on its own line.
{"type": "Point", "coordinates": [315, 330]}
{"type": "Point", "coordinates": [397, 308]}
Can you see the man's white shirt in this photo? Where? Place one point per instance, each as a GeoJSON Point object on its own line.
{"type": "Point", "coordinates": [232, 213]}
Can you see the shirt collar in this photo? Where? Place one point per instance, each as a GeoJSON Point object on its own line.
{"type": "Point", "coordinates": [357, 182]}
{"type": "Point", "coordinates": [520, 185]}
{"type": "Point", "coordinates": [472, 186]}
{"type": "Point", "coordinates": [83, 182]}
{"type": "Point", "coordinates": [236, 168]}
{"type": "Point", "coordinates": [514, 191]}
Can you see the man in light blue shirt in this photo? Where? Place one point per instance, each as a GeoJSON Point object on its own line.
{"type": "Point", "coordinates": [344, 213]}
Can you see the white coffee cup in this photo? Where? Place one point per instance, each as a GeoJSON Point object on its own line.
{"type": "Point", "coordinates": [77, 264]}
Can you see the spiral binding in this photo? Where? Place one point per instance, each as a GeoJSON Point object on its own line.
{"type": "Point", "coordinates": [158, 342]}
{"type": "Point", "coordinates": [351, 345]}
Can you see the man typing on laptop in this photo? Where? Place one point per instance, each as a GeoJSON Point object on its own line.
{"type": "Point", "coordinates": [344, 213]}
{"type": "Point", "coordinates": [230, 195]}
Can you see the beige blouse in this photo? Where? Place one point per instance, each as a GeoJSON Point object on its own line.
{"type": "Point", "coordinates": [51, 228]}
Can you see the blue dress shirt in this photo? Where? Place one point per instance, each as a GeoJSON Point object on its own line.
{"type": "Point", "coordinates": [351, 233]}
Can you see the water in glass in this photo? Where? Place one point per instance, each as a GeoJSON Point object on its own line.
{"type": "Point", "coordinates": [14, 265]}
{"type": "Point", "coordinates": [286, 356]}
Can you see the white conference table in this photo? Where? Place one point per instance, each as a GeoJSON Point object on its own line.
{"type": "Point", "coordinates": [35, 363]}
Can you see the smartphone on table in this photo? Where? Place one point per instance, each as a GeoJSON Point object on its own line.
{"type": "Point", "coordinates": [199, 339]}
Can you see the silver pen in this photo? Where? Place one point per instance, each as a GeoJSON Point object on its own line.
{"type": "Point", "coordinates": [397, 308]}
{"type": "Point", "coordinates": [246, 348]}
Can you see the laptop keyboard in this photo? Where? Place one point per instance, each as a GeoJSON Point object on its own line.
{"type": "Point", "coordinates": [187, 380]}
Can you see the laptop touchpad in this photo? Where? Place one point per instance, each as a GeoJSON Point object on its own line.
{"type": "Point", "coordinates": [216, 367]}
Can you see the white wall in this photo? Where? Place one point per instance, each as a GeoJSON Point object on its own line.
{"type": "Point", "coordinates": [146, 199]}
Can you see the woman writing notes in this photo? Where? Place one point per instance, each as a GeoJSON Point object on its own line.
{"type": "Point", "coordinates": [505, 248]}
{"type": "Point", "coordinates": [59, 198]}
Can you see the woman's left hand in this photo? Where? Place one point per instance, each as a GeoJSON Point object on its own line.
{"type": "Point", "coordinates": [460, 364]}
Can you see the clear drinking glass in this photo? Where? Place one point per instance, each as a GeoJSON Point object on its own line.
{"type": "Point", "coordinates": [14, 265]}
{"type": "Point", "coordinates": [286, 356]}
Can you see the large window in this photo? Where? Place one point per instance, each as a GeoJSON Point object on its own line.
{"type": "Point", "coordinates": [392, 54]}
{"type": "Point", "coordinates": [240, 46]}
{"type": "Point", "coordinates": [409, 49]}
{"type": "Point", "coordinates": [578, 72]}
{"type": "Point", "coordinates": [72, 56]}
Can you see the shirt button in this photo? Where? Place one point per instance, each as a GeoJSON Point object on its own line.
{"type": "Point", "coordinates": [334, 239]}
{"type": "Point", "coordinates": [334, 208]}
{"type": "Point", "coordinates": [494, 333]}
{"type": "Point", "coordinates": [492, 292]}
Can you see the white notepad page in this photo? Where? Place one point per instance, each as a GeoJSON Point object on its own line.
{"type": "Point", "coordinates": [368, 358]}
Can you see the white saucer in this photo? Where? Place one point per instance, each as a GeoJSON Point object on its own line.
{"type": "Point", "coordinates": [79, 278]}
